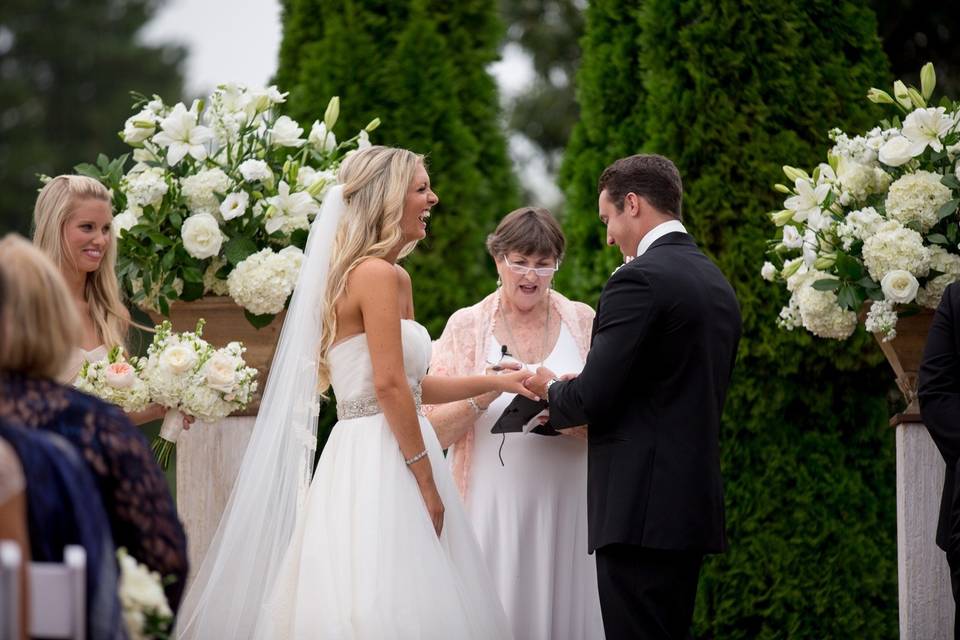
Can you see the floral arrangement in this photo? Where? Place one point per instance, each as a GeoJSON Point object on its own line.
{"type": "Point", "coordinates": [873, 232]}
{"type": "Point", "coordinates": [220, 197]}
{"type": "Point", "coordinates": [115, 380]}
{"type": "Point", "coordinates": [146, 612]}
{"type": "Point", "coordinates": [184, 373]}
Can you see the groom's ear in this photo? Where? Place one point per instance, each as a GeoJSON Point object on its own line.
{"type": "Point", "coordinates": [632, 204]}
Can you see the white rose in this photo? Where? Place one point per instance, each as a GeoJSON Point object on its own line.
{"type": "Point", "coordinates": [899, 286]}
{"type": "Point", "coordinates": [254, 170]}
{"type": "Point", "coordinates": [286, 133]}
{"type": "Point", "coordinates": [178, 358]}
{"type": "Point", "coordinates": [120, 375]}
{"type": "Point", "coordinates": [201, 236]}
{"type": "Point", "coordinates": [125, 221]}
{"type": "Point", "coordinates": [896, 152]}
{"type": "Point", "coordinates": [220, 372]}
{"type": "Point", "coordinates": [768, 271]}
{"type": "Point", "coordinates": [234, 205]}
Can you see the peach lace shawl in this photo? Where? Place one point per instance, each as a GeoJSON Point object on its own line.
{"type": "Point", "coordinates": [461, 350]}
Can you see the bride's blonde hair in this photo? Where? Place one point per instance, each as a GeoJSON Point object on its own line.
{"type": "Point", "coordinates": [56, 203]}
{"type": "Point", "coordinates": [375, 183]}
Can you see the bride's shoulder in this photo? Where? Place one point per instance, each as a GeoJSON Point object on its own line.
{"type": "Point", "coordinates": [373, 269]}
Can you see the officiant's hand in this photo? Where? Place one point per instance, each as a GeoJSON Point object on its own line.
{"type": "Point", "coordinates": [513, 382]}
{"type": "Point", "coordinates": [538, 383]}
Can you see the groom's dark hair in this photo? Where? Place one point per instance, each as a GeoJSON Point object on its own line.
{"type": "Point", "coordinates": [650, 176]}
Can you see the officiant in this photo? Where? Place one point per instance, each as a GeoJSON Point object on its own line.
{"type": "Point", "coordinates": [524, 492]}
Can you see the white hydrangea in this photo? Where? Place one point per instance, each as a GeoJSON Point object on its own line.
{"type": "Point", "coordinates": [858, 181]}
{"type": "Point", "coordinates": [858, 225]}
{"type": "Point", "coordinates": [262, 283]}
{"type": "Point", "coordinates": [211, 283]}
{"type": "Point", "coordinates": [146, 188]}
{"type": "Point", "coordinates": [893, 246]}
{"type": "Point", "coordinates": [916, 197]}
{"type": "Point", "coordinates": [882, 319]}
{"type": "Point", "coordinates": [200, 190]}
{"type": "Point", "coordinates": [820, 312]}
{"type": "Point", "coordinates": [948, 264]}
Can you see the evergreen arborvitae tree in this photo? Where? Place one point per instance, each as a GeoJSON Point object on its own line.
{"type": "Point", "coordinates": [68, 69]}
{"type": "Point", "coordinates": [731, 92]}
{"type": "Point", "coordinates": [420, 67]}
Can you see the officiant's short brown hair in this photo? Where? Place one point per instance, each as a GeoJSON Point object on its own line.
{"type": "Point", "coordinates": [650, 176]}
{"type": "Point", "coordinates": [530, 231]}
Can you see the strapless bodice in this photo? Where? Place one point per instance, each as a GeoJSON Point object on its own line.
{"type": "Point", "coordinates": [351, 371]}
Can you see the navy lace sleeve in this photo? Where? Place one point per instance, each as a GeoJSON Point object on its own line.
{"type": "Point", "coordinates": [133, 489]}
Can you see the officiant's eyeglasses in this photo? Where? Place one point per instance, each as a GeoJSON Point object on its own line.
{"type": "Point", "coordinates": [521, 270]}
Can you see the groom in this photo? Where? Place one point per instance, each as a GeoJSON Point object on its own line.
{"type": "Point", "coordinates": [652, 390]}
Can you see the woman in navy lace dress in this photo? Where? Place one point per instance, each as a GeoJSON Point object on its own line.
{"type": "Point", "coordinates": [38, 330]}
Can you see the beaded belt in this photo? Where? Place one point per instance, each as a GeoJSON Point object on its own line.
{"type": "Point", "coordinates": [363, 407]}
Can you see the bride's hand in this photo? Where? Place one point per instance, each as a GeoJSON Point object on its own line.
{"type": "Point", "coordinates": [513, 383]}
{"type": "Point", "coordinates": [431, 497]}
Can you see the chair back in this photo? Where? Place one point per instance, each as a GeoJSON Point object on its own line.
{"type": "Point", "coordinates": [10, 561]}
{"type": "Point", "coordinates": [58, 596]}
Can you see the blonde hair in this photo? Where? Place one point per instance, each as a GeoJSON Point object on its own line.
{"type": "Point", "coordinates": [56, 203]}
{"type": "Point", "coordinates": [375, 183]}
{"type": "Point", "coordinates": [39, 324]}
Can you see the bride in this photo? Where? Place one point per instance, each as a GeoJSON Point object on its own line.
{"type": "Point", "coordinates": [377, 545]}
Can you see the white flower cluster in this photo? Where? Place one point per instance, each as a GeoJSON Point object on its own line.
{"type": "Point", "coordinates": [146, 188]}
{"type": "Point", "coordinates": [916, 198]}
{"type": "Point", "coordinates": [858, 226]}
{"type": "Point", "coordinates": [144, 603]}
{"type": "Point", "coordinates": [263, 281]}
{"type": "Point", "coordinates": [171, 360]}
{"type": "Point", "coordinates": [200, 190]}
{"type": "Point", "coordinates": [948, 266]}
{"type": "Point", "coordinates": [114, 380]}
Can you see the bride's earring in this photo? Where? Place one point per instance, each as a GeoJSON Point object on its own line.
{"type": "Point", "coordinates": [498, 282]}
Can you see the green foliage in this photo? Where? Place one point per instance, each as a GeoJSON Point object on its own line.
{"type": "Point", "coordinates": [420, 67]}
{"type": "Point", "coordinates": [68, 69]}
{"type": "Point", "coordinates": [732, 90]}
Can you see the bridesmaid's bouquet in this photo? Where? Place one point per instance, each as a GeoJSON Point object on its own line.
{"type": "Point", "coordinates": [146, 612]}
{"type": "Point", "coordinates": [185, 374]}
{"type": "Point", "coordinates": [115, 380]}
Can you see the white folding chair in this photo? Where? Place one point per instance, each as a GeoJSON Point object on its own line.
{"type": "Point", "coordinates": [10, 560]}
{"type": "Point", "coordinates": [58, 596]}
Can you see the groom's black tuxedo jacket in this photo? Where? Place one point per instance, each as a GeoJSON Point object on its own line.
{"type": "Point", "coordinates": [652, 390]}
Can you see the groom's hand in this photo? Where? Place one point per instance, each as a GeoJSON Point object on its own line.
{"type": "Point", "coordinates": [538, 383]}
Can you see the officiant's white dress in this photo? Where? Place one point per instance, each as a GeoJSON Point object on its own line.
{"type": "Point", "coordinates": [365, 561]}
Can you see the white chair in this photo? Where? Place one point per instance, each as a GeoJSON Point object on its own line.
{"type": "Point", "coordinates": [10, 561]}
{"type": "Point", "coordinates": [58, 596]}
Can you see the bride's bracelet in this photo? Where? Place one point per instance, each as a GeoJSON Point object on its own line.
{"type": "Point", "coordinates": [422, 454]}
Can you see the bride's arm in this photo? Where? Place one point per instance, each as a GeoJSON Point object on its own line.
{"type": "Point", "coordinates": [441, 389]}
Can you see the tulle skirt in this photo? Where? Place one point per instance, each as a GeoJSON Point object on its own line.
{"type": "Point", "coordinates": [365, 561]}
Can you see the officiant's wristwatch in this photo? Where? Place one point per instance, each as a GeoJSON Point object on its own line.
{"type": "Point", "coordinates": [547, 387]}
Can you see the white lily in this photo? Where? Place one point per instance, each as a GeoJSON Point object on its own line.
{"type": "Point", "coordinates": [808, 199]}
{"type": "Point", "coordinates": [289, 205]}
{"type": "Point", "coordinates": [181, 134]}
{"type": "Point", "coordinates": [925, 128]}
{"type": "Point", "coordinates": [321, 138]}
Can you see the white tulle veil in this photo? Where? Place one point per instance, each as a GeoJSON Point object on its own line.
{"type": "Point", "coordinates": [227, 594]}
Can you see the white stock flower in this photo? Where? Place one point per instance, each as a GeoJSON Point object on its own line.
{"type": "Point", "coordinates": [861, 180]}
{"type": "Point", "coordinates": [290, 210]}
{"type": "Point", "coordinates": [286, 133]}
{"type": "Point", "coordinates": [808, 199]}
{"type": "Point", "coordinates": [254, 170]}
{"type": "Point", "coordinates": [791, 237]}
{"type": "Point", "coordinates": [893, 247]}
{"type": "Point", "coordinates": [925, 128]}
{"type": "Point", "coordinates": [899, 286]}
{"type": "Point", "coordinates": [234, 205]}
{"type": "Point", "coordinates": [916, 197]}
{"type": "Point", "coordinates": [896, 152]}
{"type": "Point", "coordinates": [322, 139]}
{"type": "Point", "coordinates": [201, 235]}
{"type": "Point", "coordinates": [768, 272]}
{"type": "Point", "coordinates": [200, 190]}
{"type": "Point", "coordinates": [858, 225]}
{"type": "Point", "coordinates": [181, 134]}
{"type": "Point", "coordinates": [882, 319]}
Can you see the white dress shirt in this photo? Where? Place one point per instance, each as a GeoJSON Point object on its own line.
{"type": "Point", "coordinates": [662, 229]}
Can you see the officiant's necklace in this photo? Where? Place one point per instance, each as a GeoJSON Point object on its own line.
{"type": "Point", "coordinates": [516, 345]}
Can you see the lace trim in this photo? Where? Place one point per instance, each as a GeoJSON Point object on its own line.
{"type": "Point", "coordinates": [363, 407]}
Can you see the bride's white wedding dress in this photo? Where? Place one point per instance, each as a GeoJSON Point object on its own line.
{"type": "Point", "coordinates": [364, 560]}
